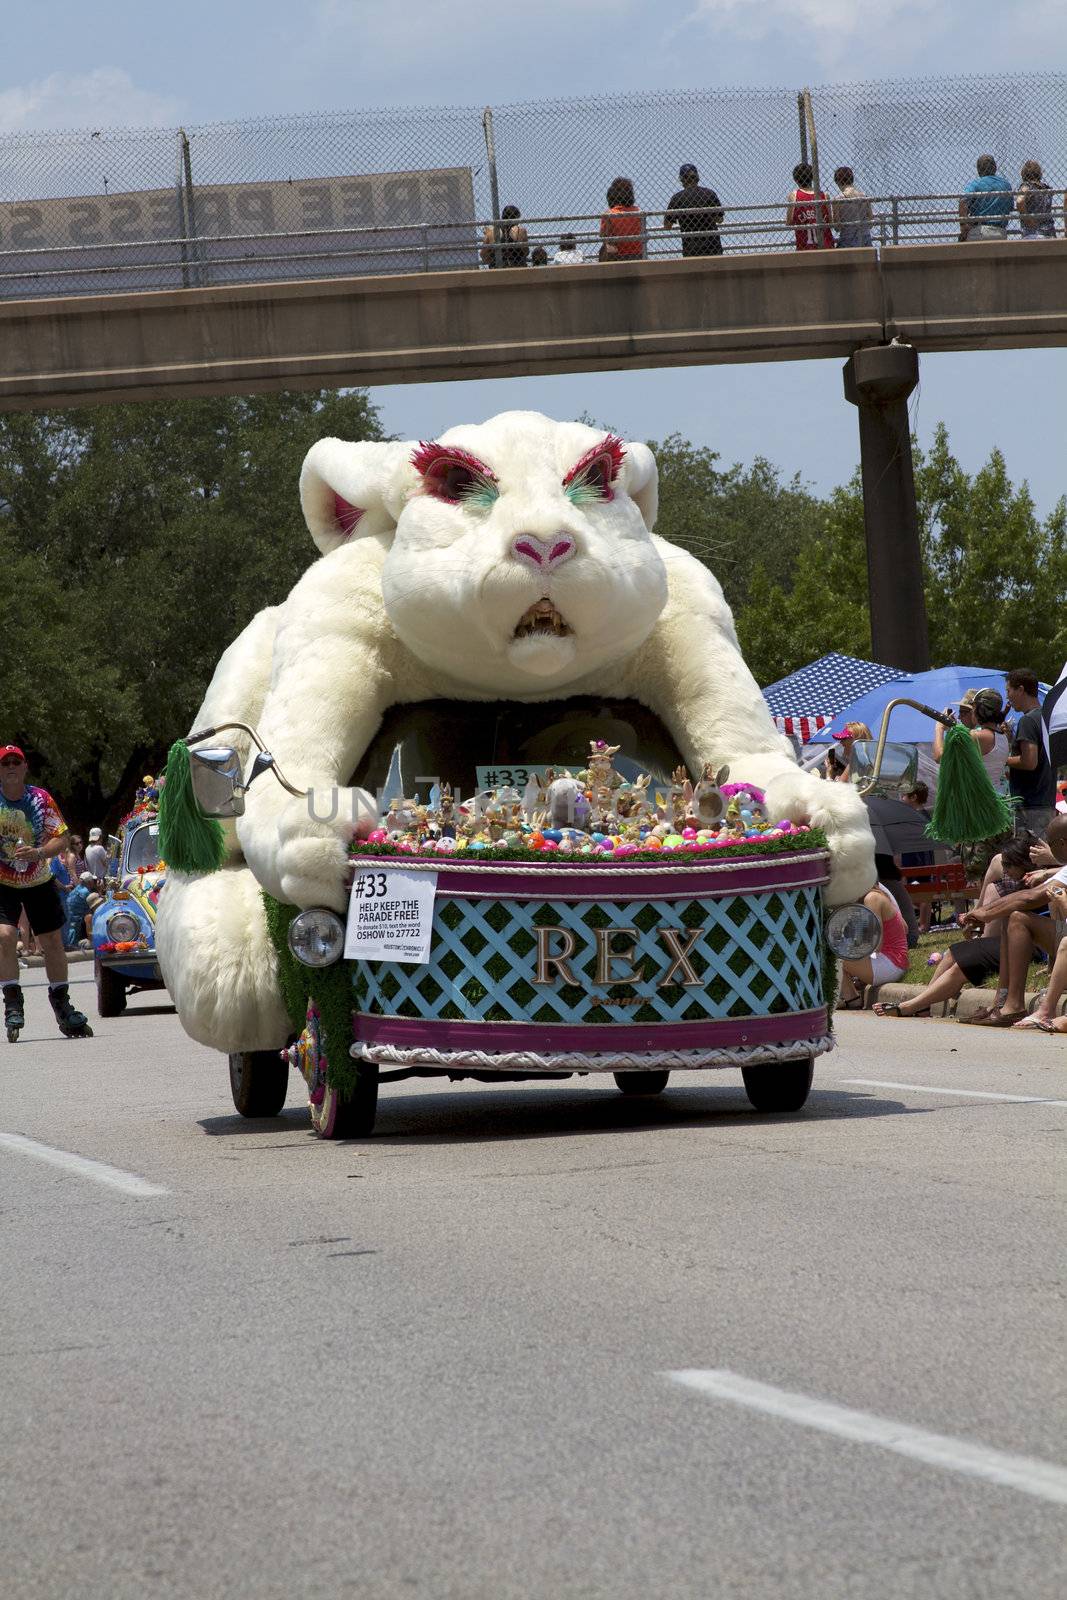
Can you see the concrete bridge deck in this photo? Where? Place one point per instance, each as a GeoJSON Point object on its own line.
{"type": "Point", "coordinates": [423, 327]}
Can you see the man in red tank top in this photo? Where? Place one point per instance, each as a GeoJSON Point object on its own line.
{"type": "Point", "coordinates": [803, 216]}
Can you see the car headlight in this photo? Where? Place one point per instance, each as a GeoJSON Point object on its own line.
{"type": "Point", "coordinates": [121, 926]}
{"type": "Point", "coordinates": [853, 932]}
{"type": "Point", "coordinates": [316, 937]}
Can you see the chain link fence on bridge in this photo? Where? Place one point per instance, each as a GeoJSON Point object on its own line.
{"type": "Point", "coordinates": [411, 189]}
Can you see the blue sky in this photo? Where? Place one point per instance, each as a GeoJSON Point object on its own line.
{"type": "Point", "coordinates": [119, 63]}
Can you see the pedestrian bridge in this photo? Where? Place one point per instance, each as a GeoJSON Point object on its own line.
{"type": "Point", "coordinates": [426, 327]}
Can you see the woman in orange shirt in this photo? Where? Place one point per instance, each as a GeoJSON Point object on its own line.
{"type": "Point", "coordinates": [623, 225]}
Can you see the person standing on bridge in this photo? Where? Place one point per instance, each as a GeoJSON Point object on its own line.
{"type": "Point", "coordinates": [986, 204]}
{"type": "Point", "coordinates": [852, 213]}
{"type": "Point", "coordinates": [698, 213]}
{"type": "Point", "coordinates": [1033, 202]}
{"type": "Point", "coordinates": [810, 219]}
{"type": "Point", "coordinates": [623, 225]}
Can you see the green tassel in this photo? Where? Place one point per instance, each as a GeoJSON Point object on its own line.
{"type": "Point", "coordinates": [188, 841]}
{"type": "Point", "coordinates": [967, 808]}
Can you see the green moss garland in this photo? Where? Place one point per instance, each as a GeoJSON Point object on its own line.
{"type": "Point", "coordinates": [329, 987]}
{"type": "Point", "coordinates": [809, 839]}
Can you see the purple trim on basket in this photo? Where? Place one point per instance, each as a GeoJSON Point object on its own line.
{"type": "Point", "coordinates": [648, 880]}
{"type": "Point", "coordinates": [562, 1036]}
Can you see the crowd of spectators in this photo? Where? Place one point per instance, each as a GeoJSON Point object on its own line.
{"type": "Point", "coordinates": [1018, 916]}
{"type": "Point", "coordinates": [987, 205]}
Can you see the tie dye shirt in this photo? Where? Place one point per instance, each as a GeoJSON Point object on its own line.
{"type": "Point", "coordinates": [34, 820]}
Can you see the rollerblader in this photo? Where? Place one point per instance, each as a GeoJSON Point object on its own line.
{"type": "Point", "coordinates": [32, 831]}
{"type": "Point", "coordinates": [14, 1011]}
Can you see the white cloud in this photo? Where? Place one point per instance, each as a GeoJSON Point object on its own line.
{"type": "Point", "coordinates": [827, 29]}
{"type": "Point", "coordinates": [104, 98]}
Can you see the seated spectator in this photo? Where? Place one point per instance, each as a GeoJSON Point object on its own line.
{"type": "Point", "coordinates": [1028, 924]}
{"type": "Point", "coordinates": [970, 960]}
{"type": "Point", "coordinates": [608, 251]}
{"type": "Point", "coordinates": [1043, 1018]}
{"type": "Point", "coordinates": [568, 254]}
{"type": "Point", "coordinates": [889, 962]}
{"type": "Point", "coordinates": [810, 221]}
{"type": "Point", "coordinates": [623, 225]}
{"type": "Point", "coordinates": [697, 212]}
{"type": "Point", "coordinates": [506, 246]}
{"type": "Point", "coordinates": [81, 903]}
{"type": "Point", "coordinates": [539, 256]}
{"type": "Point", "coordinates": [1033, 202]}
{"type": "Point", "coordinates": [852, 213]}
{"type": "Point", "coordinates": [987, 204]}
{"type": "Point", "coordinates": [981, 711]}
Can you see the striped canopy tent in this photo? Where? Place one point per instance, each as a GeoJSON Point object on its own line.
{"type": "Point", "coordinates": [809, 699]}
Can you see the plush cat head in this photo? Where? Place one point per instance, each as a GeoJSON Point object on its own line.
{"type": "Point", "coordinates": [519, 554]}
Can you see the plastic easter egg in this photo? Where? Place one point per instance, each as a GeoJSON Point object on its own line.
{"type": "Point", "coordinates": [536, 840]}
{"type": "Point", "coordinates": [477, 844]}
{"type": "Point", "coordinates": [689, 833]}
{"type": "Point", "coordinates": [672, 841]}
{"type": "Point", "coordinates": [377, 836]}
{"type": "Point", "coordinates": [555, 834]}
{"type": "Point", "coordinates": [551, 844]}
{"type": "Point", "coordinates": [651, 843]}
{"type": "Point", "coordinates": [597, 838]}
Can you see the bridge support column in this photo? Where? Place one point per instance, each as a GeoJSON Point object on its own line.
{"type": "Point", "coordinates": [878, 382]}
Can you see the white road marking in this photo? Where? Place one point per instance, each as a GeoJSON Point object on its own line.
{"type": "Point", "coordinates": [1039, 1478]}
{"type": "Point", "coordinates": [81, 1166]}
{"type": "Point", "coordinates": [969, 1094]}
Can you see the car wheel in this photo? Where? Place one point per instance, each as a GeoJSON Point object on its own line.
{"type": "Point", "coordinates": [334, 1118]}
{"type": "Point", "coordinates": [259, 1082]}
{"type": "Point", "coordinates": [110, 992]}
{"type": "Point", "coordinates": [780, 1086]}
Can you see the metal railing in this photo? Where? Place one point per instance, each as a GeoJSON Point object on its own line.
{"type": "Point", "coordinates": [182, 261]}
{"type": "Point", "coordinates": [412, 190]}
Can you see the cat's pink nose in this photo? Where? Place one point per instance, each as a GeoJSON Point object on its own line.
{"type": "Point", "coordinates": [544, 555]}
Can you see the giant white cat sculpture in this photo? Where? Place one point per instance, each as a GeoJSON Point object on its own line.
{"type": "Point", "coordinates": [516, 560]}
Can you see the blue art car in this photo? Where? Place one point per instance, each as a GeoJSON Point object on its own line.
{"type": "Point", "coordinates": [124, 925]}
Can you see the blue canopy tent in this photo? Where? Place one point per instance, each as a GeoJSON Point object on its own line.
{"type": "Point", "coordinates": [942, 686]}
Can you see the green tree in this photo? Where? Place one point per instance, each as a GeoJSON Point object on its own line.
{"type": "Point", "coordinates": [995, 576]}
{"type": "Point", "coordinates": [734, 521]}
{"type": "Point", "coordinates": [138, 541]}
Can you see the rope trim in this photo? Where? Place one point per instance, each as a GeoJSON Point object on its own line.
{"type": "Point", "coordinates": [577, 1061]}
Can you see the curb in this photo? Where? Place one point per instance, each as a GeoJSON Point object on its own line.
{"type": "Point", "coordinates": [962, 1009]}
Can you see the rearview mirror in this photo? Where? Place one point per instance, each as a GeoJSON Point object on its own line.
{"type": "Point", "coordinates": [897, 773]}
{"type": "Point", "coordinates": [217, 781]}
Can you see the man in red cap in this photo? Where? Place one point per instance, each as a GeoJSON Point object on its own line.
{"type": "Point", "coordinates": [32, 831]}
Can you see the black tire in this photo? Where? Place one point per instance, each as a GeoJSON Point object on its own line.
{"type": "Point", "coordinates": [642, 1082]}
{"type": "Point", "coordinates": [259, 1082]}
{"type": "Point", "coordinates": [110, 992]}
{"type": "Point", "coordinates": [781, 1086]}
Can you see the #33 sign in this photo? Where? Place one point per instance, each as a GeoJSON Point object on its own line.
{"type": "Point", "coordinates": [390, 916]}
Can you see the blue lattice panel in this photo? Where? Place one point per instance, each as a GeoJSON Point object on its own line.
{"type": "Point", "coordinates": [757, 955]}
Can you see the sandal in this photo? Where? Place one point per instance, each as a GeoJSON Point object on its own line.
{"type": "Point", "coordinates": [891, 1008]}
{"type": "Point", "coordinates": [1004, 1019]}
{"type": "Point", "coordinates": [1034, 1023]}
{"type": "Point", "coordinates": [980, 1018]}
{"type": "Point", "coordinates": [855, 1004]}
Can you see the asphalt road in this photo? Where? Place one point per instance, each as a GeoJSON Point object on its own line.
{"type": "Point", "coordinates": [435, 1363]}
